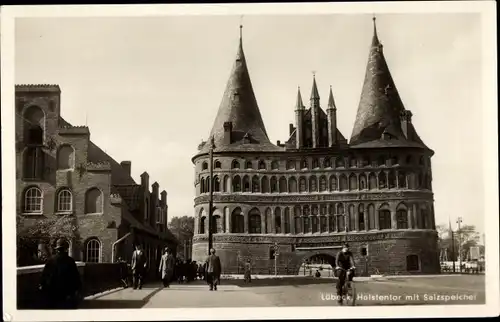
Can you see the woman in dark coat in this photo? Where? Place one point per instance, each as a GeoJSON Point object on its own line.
{"type": "Point", "coordinates": [167, 265]}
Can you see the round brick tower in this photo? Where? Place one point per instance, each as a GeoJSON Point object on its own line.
{"type": "Point", "coordinates": [316, 190]}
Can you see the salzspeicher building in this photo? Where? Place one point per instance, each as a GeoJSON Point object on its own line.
{"type": "Point", "coordinates": [62, 174]}
{"type": "Point", "coordinates": [316, 189]}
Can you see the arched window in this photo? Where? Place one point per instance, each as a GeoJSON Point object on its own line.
{"type": "Point", "coordinates": [361, 217]}
{"type": "Point", "coordinates": [286, 224]}
{"type": "Point", "coordinates": [277, 220]}
{"type": "Point", "coordinates": [303, 164]}
{"type": "Point", "coordinates": [262, 165]}
{"type": "Point", "coordinates": [207, 184]}
{"type": "Point", "coordinates": [275, 165]}
{"type": "Point", "coordinates": [268, 222]}
{"type": "Point", "coordinates": [292, 185]}
{"type": "Point", "coordinates": [391, 180]}
{"type": "Point", "coordinates": [254, 222]}
{"type": "Point", "coordinates": [33, 163]}
{"type": "Point", "coordinates": [237, 221]}
{"type": "Point", "coordinates": [333, 183]}
{"type": "Point", "coordinates": [323, 225]}
{"type": "Point", "coordinates": [306, 226]}
{"type": "Point", "coordinates": [302, 184]}
{"type": "Point", "coordinates": [332, 218]}
{"type": "Point", "coordinates": [65, 158]}
{"type": "Point", "coordinates": [203, 222]}
{"type": "Point", "coordinates": [339, 162]}
{"type": "Point", "coordinates": [216, 224]}
{"type": "Point", "coordinates": [290, 165]}
{"type": "Point", "coordinates": [64, 201]}
{"type": "Point", "coordinates": [313, 185]}
{"type": "Point", "coordinates": [327, 163]}
{"type": "Point", "coordinates": [315, 163]}
{"type": "Point", "coordinates": [217, 164]}
{"type": "Point", "coordinates": [402, 180]}
{"type": "Point", "coordinates": [93, 251]}
{"type": "Point", "coordinates": [33, 201]}
{"type": "Point", "coordinates": [255, 184]}
{"type": "Point", "coordinates": [235, 164]}
{"type": "Point", "coordinates": [384, 217]}
{"type": "Point", "coordinates": [412, 263]}
{"type": "Point", "coordinates": [314, 224]}
{"type": "Point", "coordinates": [382, 180]}
{"type": "Point", "coordinates": [371, 217]}
{"type": "Point", "coordinates": [248, 165]}
{"type": "Point", "coordinates": [93, 201]}
{"type": "Point", "coordinates": [298, 220]}
{"type": "Point", "coordinates": [352, 218]}
{"type": "Point", "coordinates": [402, 219]}
{"type": "Point", "coordinates": [246, 184]}
{"type": "Point", "coordinates": [202, 185]}
{"type": "Point", "coordinates": [283, 185]}
{"type": "Point", "coordinates": [362, 181]}
{"type": "Point", "coordinates": [34, 125]}
{"type": "Point", "coordinates": [227, 184]}
{"type": "Point", "coordinates": [322, 183]}
{"type": "Point", "coordinates": [342, 182]}
{"type": "Point", "coordinates": [236, 184]}
{"type": "Point", "coordinates": [353, 182]}
{"type": "Point", "coordinates": [372, 181]}
{"type": "Point", "coordinates": [265, 184]}
{"type": "Point", "coordinates": [216, 184]}
{"type": "Point", "coordinates": [204, 166]}
{"type": "Point", "coordinates": [424, 214]}
{"type": "Point", "coordinates": [274, 185]}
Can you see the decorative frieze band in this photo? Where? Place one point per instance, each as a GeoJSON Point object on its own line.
{"type": "Point", "coordinates": [263, 198]}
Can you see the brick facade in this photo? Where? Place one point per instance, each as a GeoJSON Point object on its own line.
{"type": "Point", "coordinates": [316, 190]}
{"type": "Point", "coordinates": [78, 180]}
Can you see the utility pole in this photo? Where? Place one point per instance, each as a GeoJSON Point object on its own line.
{"type": "Point", "coordinates": [276, 254]}
{"type": "Point", "coordinates": [211, 196]}
{"type": "Point", "coordinates": [459, 221]}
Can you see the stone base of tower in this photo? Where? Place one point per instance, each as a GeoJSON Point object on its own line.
{"type": "Point", "coordinates": [388, 252]}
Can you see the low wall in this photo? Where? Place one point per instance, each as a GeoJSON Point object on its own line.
{"type": "Point", "coordinates": [96, 278]}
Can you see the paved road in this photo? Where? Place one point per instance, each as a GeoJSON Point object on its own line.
{"type": "Point", "coordinates": [467, 289]}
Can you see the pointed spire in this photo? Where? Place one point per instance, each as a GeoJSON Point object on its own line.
{"type": "Point", "coordinates": [239, 108]}
{"type": "Point", "coordinates": [380, 106]}
{"type": "Point", "coordinates": [299, 105]}
{"type": "Point", "coordinates": [331, 101]}
{"type": "Point", "coordinates": [314, 91]}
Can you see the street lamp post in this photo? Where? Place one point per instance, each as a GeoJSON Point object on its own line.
{"type": "Point", "coordinates": [211, 195]}
{"type": "Point", "coordinates": [276, 254]}
{"type": "Point", "coordinates": [459, 221]}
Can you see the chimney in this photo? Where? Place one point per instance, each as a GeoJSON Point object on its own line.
{"type": "Point", "coordinates": [156, 187]}
{"type": "Point", "coordinates": [228, 132]}
{"type": "Point", "coordinates": [291, 128]}
{"type": "Point", "coordinates": [278, 143]}
{"type": "Point", "coordinates": [145, 180]}
{"type": "Point", "coordinates": [163, 198]}
{"type": "Point", "coordinates": [405, 120]}
{"type": "Point", "coordinates": [127, 166]}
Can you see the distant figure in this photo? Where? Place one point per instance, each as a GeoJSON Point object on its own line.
{"type": "Point", "coordinates": [167, 265]}
{"type": "Point", "coordinates": [213, 270]}
{"type": "Point", "coordinates": [60, 281]}
{"type": "Point", "coordinates": [138, 266]}
{"type": "Point", "coordinates": [248, 272]}
{"type": "Point", "coordinates": [317, 274]}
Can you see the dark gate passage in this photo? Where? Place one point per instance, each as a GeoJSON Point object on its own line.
{"type": "Point", "coordinates": [323, 263]}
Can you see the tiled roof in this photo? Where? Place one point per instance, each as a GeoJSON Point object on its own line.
{"type": "Point", "coordinates": [380, 107]}
{"type": "Point", "coordinates": [240, 107]}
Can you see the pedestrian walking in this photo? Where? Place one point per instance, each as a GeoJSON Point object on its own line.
{"type": "Point", "coordinates": [213, 270]}
{"type": "Point", "coordinates": [138, 265]}
{"type": "Point", "coordinates": [60, 282]}
{"type": "Point", "coordinates": [248, 272]}
{"type": "Point", "coordinates": [167, 265]}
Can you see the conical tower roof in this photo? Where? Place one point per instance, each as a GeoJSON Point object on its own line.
{"type": "Point", "coordinates": [380, 105]}
{"type": "Point", "coordinates": [240, 107]}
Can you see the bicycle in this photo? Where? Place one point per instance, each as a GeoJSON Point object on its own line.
{"type": "Point", "coordinates": [348, 289]}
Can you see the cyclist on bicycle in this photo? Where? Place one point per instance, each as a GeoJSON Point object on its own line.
{"type": "Point", "coordinates": [344, 262]}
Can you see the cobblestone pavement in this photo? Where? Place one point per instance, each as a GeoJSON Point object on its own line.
{"type": "Point", "coordinates": [466, 289]}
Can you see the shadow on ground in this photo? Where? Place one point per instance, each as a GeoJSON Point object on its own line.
{"type": "Point", "coordinates": [100, 303]}
{"type": "Point", "coordinates": [279, 281]}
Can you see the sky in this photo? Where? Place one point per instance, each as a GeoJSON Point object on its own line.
{"type": "Point", "coordinates": [149, 87]}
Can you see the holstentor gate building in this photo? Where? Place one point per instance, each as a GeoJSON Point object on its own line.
{"type": "Point", "coordinates": [302, 194]}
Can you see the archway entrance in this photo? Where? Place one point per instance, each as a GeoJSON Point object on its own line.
{"type": "Point", "coordinates": [318, 264]}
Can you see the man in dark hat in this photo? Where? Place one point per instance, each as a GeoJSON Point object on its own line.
{"type": "Point", "coordinates": [344, 262]}
{"type": "Point", "coordinates": [60, 281]}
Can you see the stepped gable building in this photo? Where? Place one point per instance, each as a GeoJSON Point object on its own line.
{"type": "Point", "coordinates": [316, 190]}
{"type": "Point", "coordinates": [61, 174]}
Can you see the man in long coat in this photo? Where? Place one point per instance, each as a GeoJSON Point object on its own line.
{"type": "Point", "coordinates": [213, 270]}
{"type": "Point", "coordinates": [167, 264]}
{"type": "Point", "coordinates": [60, 281]}
{"type": "Point", "coordinates": [138, 266]}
